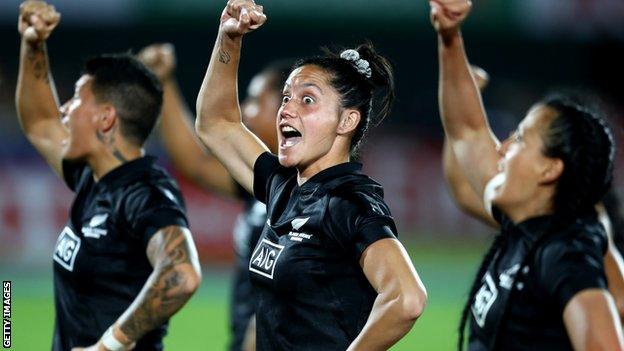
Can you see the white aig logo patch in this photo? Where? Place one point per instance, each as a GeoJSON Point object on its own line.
{"type": "Point", "coordinates": [484, 299]}
{"type": "Point", "coordinates": [67, 247]}
{"type": "Point", "coordinates": [264, 258]}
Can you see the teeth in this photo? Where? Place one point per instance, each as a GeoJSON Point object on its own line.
{"type": "Point", "coordinates": [288, 129]}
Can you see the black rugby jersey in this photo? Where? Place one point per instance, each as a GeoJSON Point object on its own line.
{"type": "Point", "coordinates": [247, 231]}
{"type": "Point", "coordinates": [100, 264]}
{"type": "Point", "coordinates": [312, 293]}
{"type": "Point", "coordinates": [533, 295]}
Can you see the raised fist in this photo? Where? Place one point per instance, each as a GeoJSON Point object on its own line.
{"type": "Point", "coordinates": [160, 58]}
{"type": "Point", "coordinates": [240, 17]}
{"type": "Point", "coordinates": [448, 15]}
{"type": "Point", "coordinates": [37, 20]}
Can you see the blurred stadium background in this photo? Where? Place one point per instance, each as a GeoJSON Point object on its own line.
{"type": "Point", "coordinates": [529, 47]}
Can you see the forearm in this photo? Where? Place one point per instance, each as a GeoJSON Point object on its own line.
{"type": "Point", "coordinates": [35, 96]}
{"type": "Point", "coordinates": [218, 97]}
{"type": "Point", "coordinates": [387, 323]}
{"type": "Point", "coordinates": [186, 152]}
{"type": "Point", "coordinates": [461, 108]}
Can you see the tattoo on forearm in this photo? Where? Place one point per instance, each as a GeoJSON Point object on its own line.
{"type": "Point", "coordinates": [224, 56]}
{"type": "Point", "coordinates": [163, 298]}
{"type": "Point", "coordinates": [37, 58]}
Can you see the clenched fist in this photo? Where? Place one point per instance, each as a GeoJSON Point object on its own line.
{"type": "Point", "coordinates": [448, 15]}
{"type": "Point", "coordinates": [37, 20]}
{"type": "Point", "coordinates": [160, 58]}
{"type": "Point", "coordinates": [241, 17]}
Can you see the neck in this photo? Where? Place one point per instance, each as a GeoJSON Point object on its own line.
{"type": "Point", "coordinates": [326, 161]}
{"type": "Point", "coordinates": [107, 159]}
{"type": "Point", "coordinates": [539, 205]}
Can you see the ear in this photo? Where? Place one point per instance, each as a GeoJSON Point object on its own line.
{"type": "Point", "coordinates": [106, 118]}
{"type": "Point", "coordinates": [552, 171]}
{"type": "Point", "coordinates": [349, 120]}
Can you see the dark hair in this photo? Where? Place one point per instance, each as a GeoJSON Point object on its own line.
{"type": "Point", "coordinates": [499, 241]}
{"type": "Point", "coordinates": [581, 138]}
{"type": "Point", "coordinates": [132, 88]}
{"type": "Point", "coordinates": [373, 96]}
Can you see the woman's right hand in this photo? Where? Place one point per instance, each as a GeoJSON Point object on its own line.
{"type": "Point", "coordinates": [241, 17]}
{"type": "Point", "coordinates": [447, 15]}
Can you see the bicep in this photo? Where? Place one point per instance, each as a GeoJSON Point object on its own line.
{"type": "Point", "coordinates": [460, 189]}
{"type": "Point", "coordinates": [173, 246]}
{"type": "Point", "coordinates": [477, 157]}
{"type": "Point", "coordinates": [237, 149]}
{"type": "Point", "coordinates": [388, 268]}
{"type": "Point", "coordinates": [592, 322]}
{"type": "Point", "coordinates": [47, 137]}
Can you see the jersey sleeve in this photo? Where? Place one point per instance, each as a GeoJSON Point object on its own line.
{"type": "Point", "coordinates": [151, 208]}
{"type": "Point", "coordinates": [74, 173]}
{"type": "Point", "coordinates": [358, 220]}
{"type": "Point", "coordinates": [266, 167]}
{"type": "Point", "coordinates": [571, 266]}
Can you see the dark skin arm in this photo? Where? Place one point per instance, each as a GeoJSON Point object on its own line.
{"type": "Point", "coordinates": [35, 96]}
{"type": "Point", "coordinates": [182, 145]}
{"type": "Point", "coordinates": [175, 278]}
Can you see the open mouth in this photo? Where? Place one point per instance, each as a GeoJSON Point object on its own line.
{"type": "Point", "coordinates": [290, 136]}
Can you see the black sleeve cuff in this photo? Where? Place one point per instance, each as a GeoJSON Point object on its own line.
{"type": "Point", "coordinates": [371, 233]}
{"type": "Point", "coordinates": [263, 169]}
{"type": "Point", "coordinates": [159, 219]}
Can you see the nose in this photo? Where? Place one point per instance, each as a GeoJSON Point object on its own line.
{"type": "Point", "coordinates": [287, 110]}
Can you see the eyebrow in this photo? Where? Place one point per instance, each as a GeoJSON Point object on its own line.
{"type": "Point", "coordinates": [312, 85]}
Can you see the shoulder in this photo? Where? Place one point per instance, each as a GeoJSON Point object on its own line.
{"type": "Point", "coordinates": [586, 236]}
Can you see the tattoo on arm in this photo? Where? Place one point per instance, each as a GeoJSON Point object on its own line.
{"type": "Point", "coordinates": [36, 56]}
{"type": "Point", "coordinates": [224, 56]}
{"type": "Point", "coordinates": [162, 294]}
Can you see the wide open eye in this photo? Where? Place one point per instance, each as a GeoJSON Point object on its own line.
{"type": "Point", "coordinates": [285, 99]}
{"type": "Point", "coordinates": [308, 100]}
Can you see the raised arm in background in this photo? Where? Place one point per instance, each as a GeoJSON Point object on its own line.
{"type": "Point", "coordinates": [186, 152]}
{"type": "Point", "coordinates": [459, 187]}
{"type": "Point", "coordinates": [219, 123]}
{"type": "Point", "coordinates": [35, 97]}
{"type": "Point", "coordinates": [463, 116]}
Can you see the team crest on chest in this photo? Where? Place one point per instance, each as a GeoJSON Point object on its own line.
{"type": "Point", "coordinates": [67, 247]}
{"type": "Point", "coordinates": [95, 227]}
{"type": "Point", "coordinates": [484, 300]}
{"type": "Point", "coordinates": [295, 234]}
{"type": "Point", "coordinates": [264, 258]}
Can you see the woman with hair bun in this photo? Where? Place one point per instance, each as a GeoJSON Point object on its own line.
{"type": "Point", "coordinates": [328, 269]}
{"type": "Point", "coordinates": [541, 285]}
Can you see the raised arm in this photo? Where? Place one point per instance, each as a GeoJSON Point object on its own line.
{"type": "Point", "coordinates": [459, 187]}
{"type": "Point", "coordinates": [461, 110]}
{"type": "Point", "coordinates": [401, 295]}
{"type": "Point", "coordinates": [35, 97]}
{"type": "Point", "coordinates": [219, 124]}
{"type": "Point", "coordinates": [187, 153]}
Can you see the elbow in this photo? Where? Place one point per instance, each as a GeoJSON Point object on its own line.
{"type": "Point", "coordinates": [413, 305]}
{"type": "Point", "coordinates": [189, 282]}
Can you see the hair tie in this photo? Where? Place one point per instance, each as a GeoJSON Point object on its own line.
{"type": "Point", "coordinates": [362, 66]}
